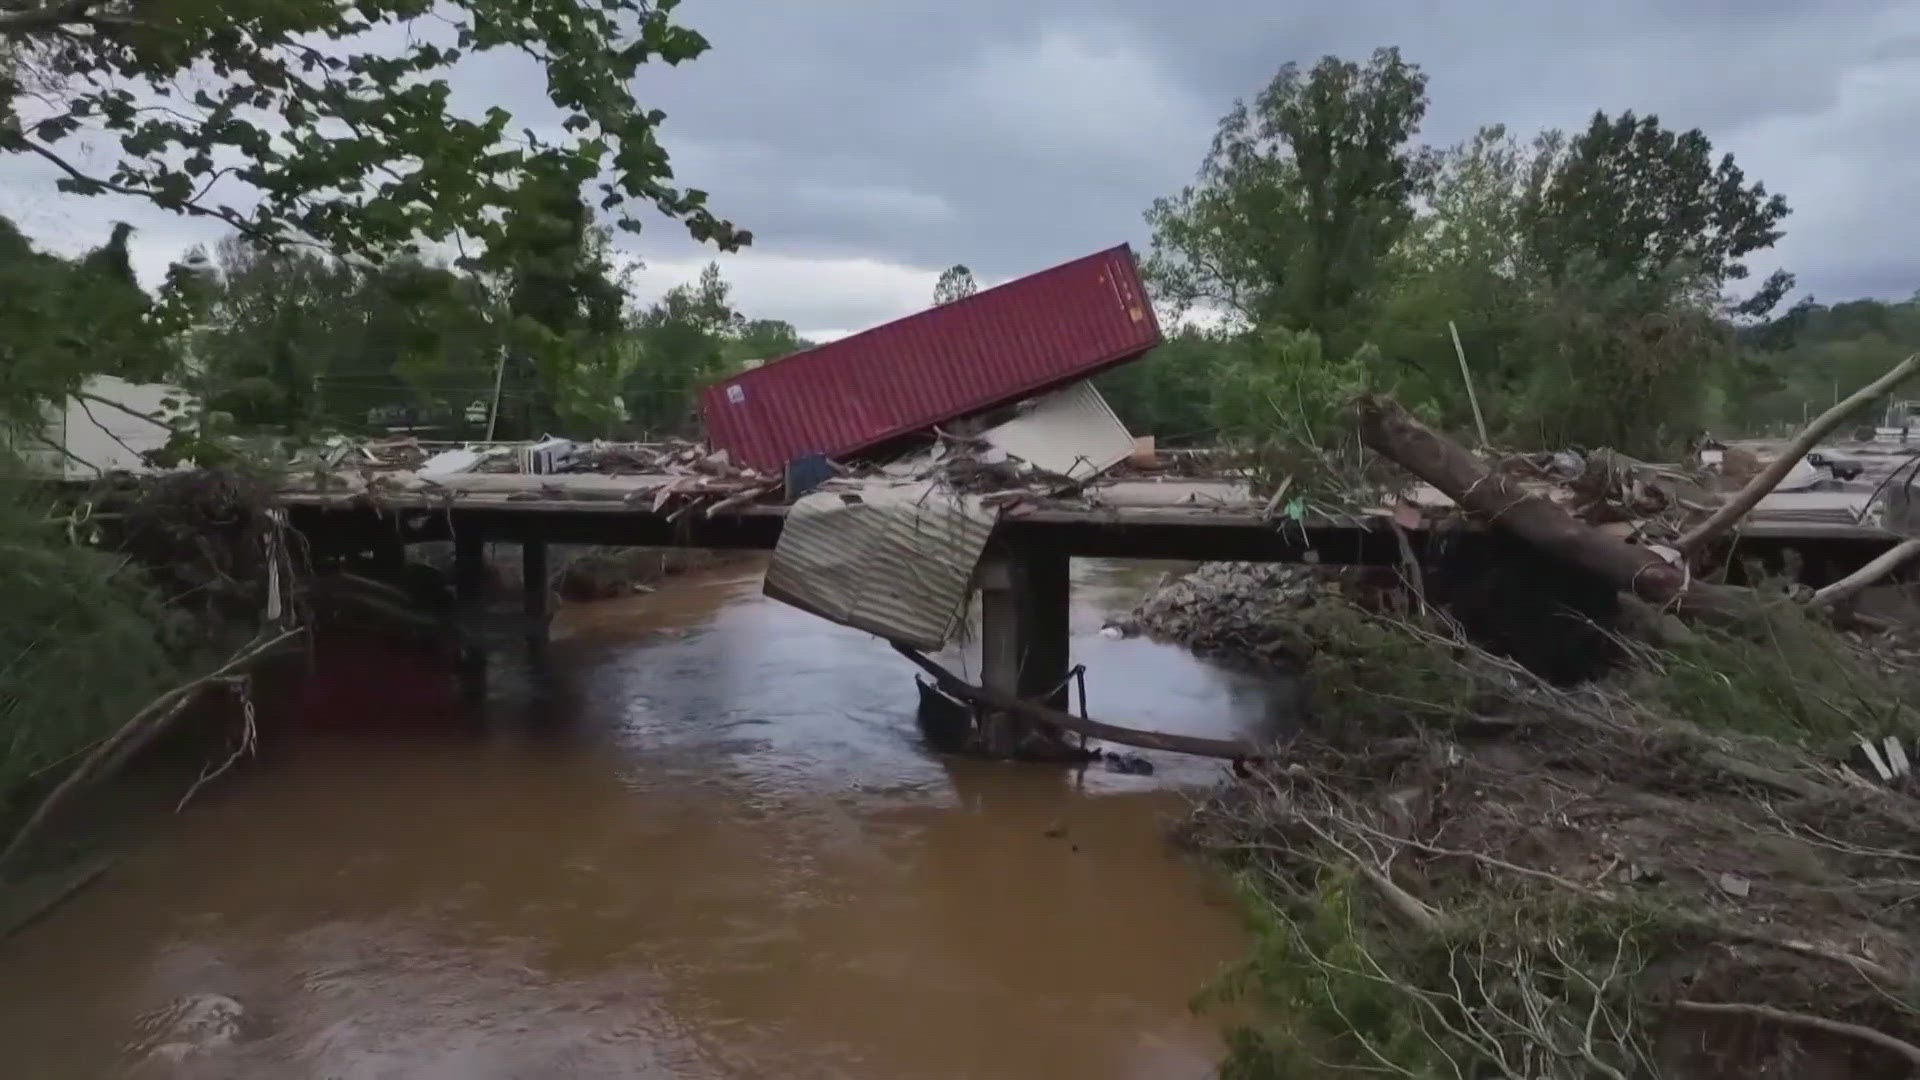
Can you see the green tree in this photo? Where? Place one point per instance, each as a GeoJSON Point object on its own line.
{"type": "Point", "coordinates": [1619, 361]}
{"type": "Point", "coordinates": [269, 332]}
{"type": "Point", "coordinates": [1809, 357]}
{"type": "Point", "coordinates": [563, 294]}
{"type": "Point", "coordinates": [63, 321]}
{"type": "Point", "coordinates": [1301, 196]}
{"type": "Point", "coordinates": [1168, 393]}
{"type": "Point", "coordinates": [1460, 265]}
{"type": "Point", "coordinates": [1637, 199]}
{"type": "Point", "coordinates": [762, 340]}
{"type": "Point", "coordinates": [314, 119]}
{"type": "Point", "coordinates": [683, 340]}
{"type": "Point", "coordinates": [956, 283]}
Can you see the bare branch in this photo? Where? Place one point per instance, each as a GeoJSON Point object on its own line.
{"type": "Point", "coordinates": [1847, 587]}
{"type": "Point", "coordinates": [1748, 497]}
{"type": "Point", "coordinates": [137, 731]}
{"type": "Point", "coordinates": [41, 437]}
{"type": "Point", "coordinates": [1805, 1020]}
{"type": "Point", "coordinates": [137, 455]}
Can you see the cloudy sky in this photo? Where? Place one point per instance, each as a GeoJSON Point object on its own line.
{"type": "Point", "coordinates": [869, 145]}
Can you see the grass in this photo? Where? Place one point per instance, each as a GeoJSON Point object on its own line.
{"type": "Point", "coordinates": [82, 644]}
{"type": "Point", "coordinates": [1786, 675]}
{"type": "Point", "coordinates": [1520, 986]}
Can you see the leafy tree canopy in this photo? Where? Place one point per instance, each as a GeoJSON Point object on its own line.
{"type": "Point", "coordinates": [956, 283]}
{"type": "Point", "coordinates": [335, 122]}
{"type": "Point", "coordinates": [62, 320]}
{"type": "Point", "coordinates": [1644, 200]}
{"type": "Point", "coordinates": [1301, 195]}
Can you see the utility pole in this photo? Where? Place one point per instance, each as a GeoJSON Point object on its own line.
{"type": "Point", "coordinates": [499, 374]}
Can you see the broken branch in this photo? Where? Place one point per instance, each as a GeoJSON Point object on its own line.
{"type": "Point", "coordinates": [1848, 587]}
{"type": "Point", "coordinates": [1805, 1020]}
{"type": "Point", "coordinates": [137, 732]}
{"type": "Point", "coordinates": [1748, 497]}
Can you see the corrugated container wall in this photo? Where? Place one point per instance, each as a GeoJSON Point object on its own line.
{"type": "Point", "coordinates": [990, 349]}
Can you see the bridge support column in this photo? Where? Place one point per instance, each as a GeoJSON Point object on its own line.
{"type": "Point", "coordinates": [534, 581]}
{"type": "Point", "coordinates": [1023, 645]}
{"type": "Point", "coordinates": [469, 589]}
{"type": "Point", "coordinates": [469, 564]}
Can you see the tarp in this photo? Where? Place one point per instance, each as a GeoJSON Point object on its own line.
{"type": "Point", "coordinates": [893, 560]}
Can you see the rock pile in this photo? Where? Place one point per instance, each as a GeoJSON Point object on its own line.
{"type": "Point", "coordinates": [1230, 608]}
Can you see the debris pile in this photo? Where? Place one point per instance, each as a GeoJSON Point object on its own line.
{"type": "Point", "coordinates": [1490, 870]}
{"type": "Point", "coordinates": [1697, 865]}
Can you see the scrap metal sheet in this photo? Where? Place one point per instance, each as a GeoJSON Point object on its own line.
{"type": "Point", "coordinates": [893, 560]}
{"type": "Point", "coordinates": [1072, 433]}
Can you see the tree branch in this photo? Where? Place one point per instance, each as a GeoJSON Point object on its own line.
{"type": "Point", "coordinates": [1846, 588]}
{"type": "Point", "coordinates": [137, 455]}
{"type": "Point", "coordinates": [246, 227]}
{"type": "Point", "coordinates": [1748, 497]}
{"type": "Point", "coordinates": [1151, 740]}
{"type": "Point", "coordinates": [152, 418]}
{"type": "Point", "coordinates": [40, 436]}
{"type": "Point", "coordinates": [1804, 1020]}
{"type": "Point", "coordinates": [135, 733]}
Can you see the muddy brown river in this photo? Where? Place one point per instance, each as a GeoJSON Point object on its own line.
{"type": "Point", "coordinates": [711, 844]}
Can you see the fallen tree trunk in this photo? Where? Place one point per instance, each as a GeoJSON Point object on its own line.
{"type": "Point", "coordinates": [1150, 740]}
{"type": "Point", "coordinates": [1392, 431]}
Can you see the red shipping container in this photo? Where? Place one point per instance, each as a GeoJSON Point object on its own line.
{"type": "Point", "coordinates": [991, 349]}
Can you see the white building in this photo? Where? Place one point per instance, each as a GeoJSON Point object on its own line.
{"type": "Point", "coordinates": [95, 437]}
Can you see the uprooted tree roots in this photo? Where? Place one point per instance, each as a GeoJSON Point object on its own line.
{"type": "Point", "coordinates": [1573, 882]}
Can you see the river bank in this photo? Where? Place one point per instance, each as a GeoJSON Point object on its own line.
{"type": "Point", "coordinates": [1457, 864]}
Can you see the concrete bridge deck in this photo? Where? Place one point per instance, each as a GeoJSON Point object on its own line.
{"type": "Point", "coordinates": [1175, 519]}
{"type": "Point", "coordinates": [1025, 579]}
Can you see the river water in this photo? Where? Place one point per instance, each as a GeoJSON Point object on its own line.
{"type": "Point", "coordinates": [710, 844]}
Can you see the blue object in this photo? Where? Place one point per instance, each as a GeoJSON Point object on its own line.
{"type": "Point", "coordinates": [806, 473]}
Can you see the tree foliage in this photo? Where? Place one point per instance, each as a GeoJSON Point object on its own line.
{"type": "Point", "coordinates": [956, 283]}
{"type": "Point", "coordinates": [1643, 201]}
{"type": "Point", "coordinates": [84, 640]}
{"type": "Point", "coordinates": [1586, 278]}
{"type": "Point", "coordinates": [1301, 196]}
{"type": "Point", "coordinates": [1813, 355]}
{"type": "Point", "coordinates": [337, 123]}
{"type": "Point", "coordinates": [62, 321]}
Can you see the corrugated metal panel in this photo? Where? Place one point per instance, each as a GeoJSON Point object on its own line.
{"type": "Point", "coordinates": [1071, 433]}
{"type": "Point", "coordinates": [988, 350]}
{"type": "Point", "coordinates": [891, 560]}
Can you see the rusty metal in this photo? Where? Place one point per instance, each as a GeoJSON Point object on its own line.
{"type": "Point", "coordinates": [991, 349]}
